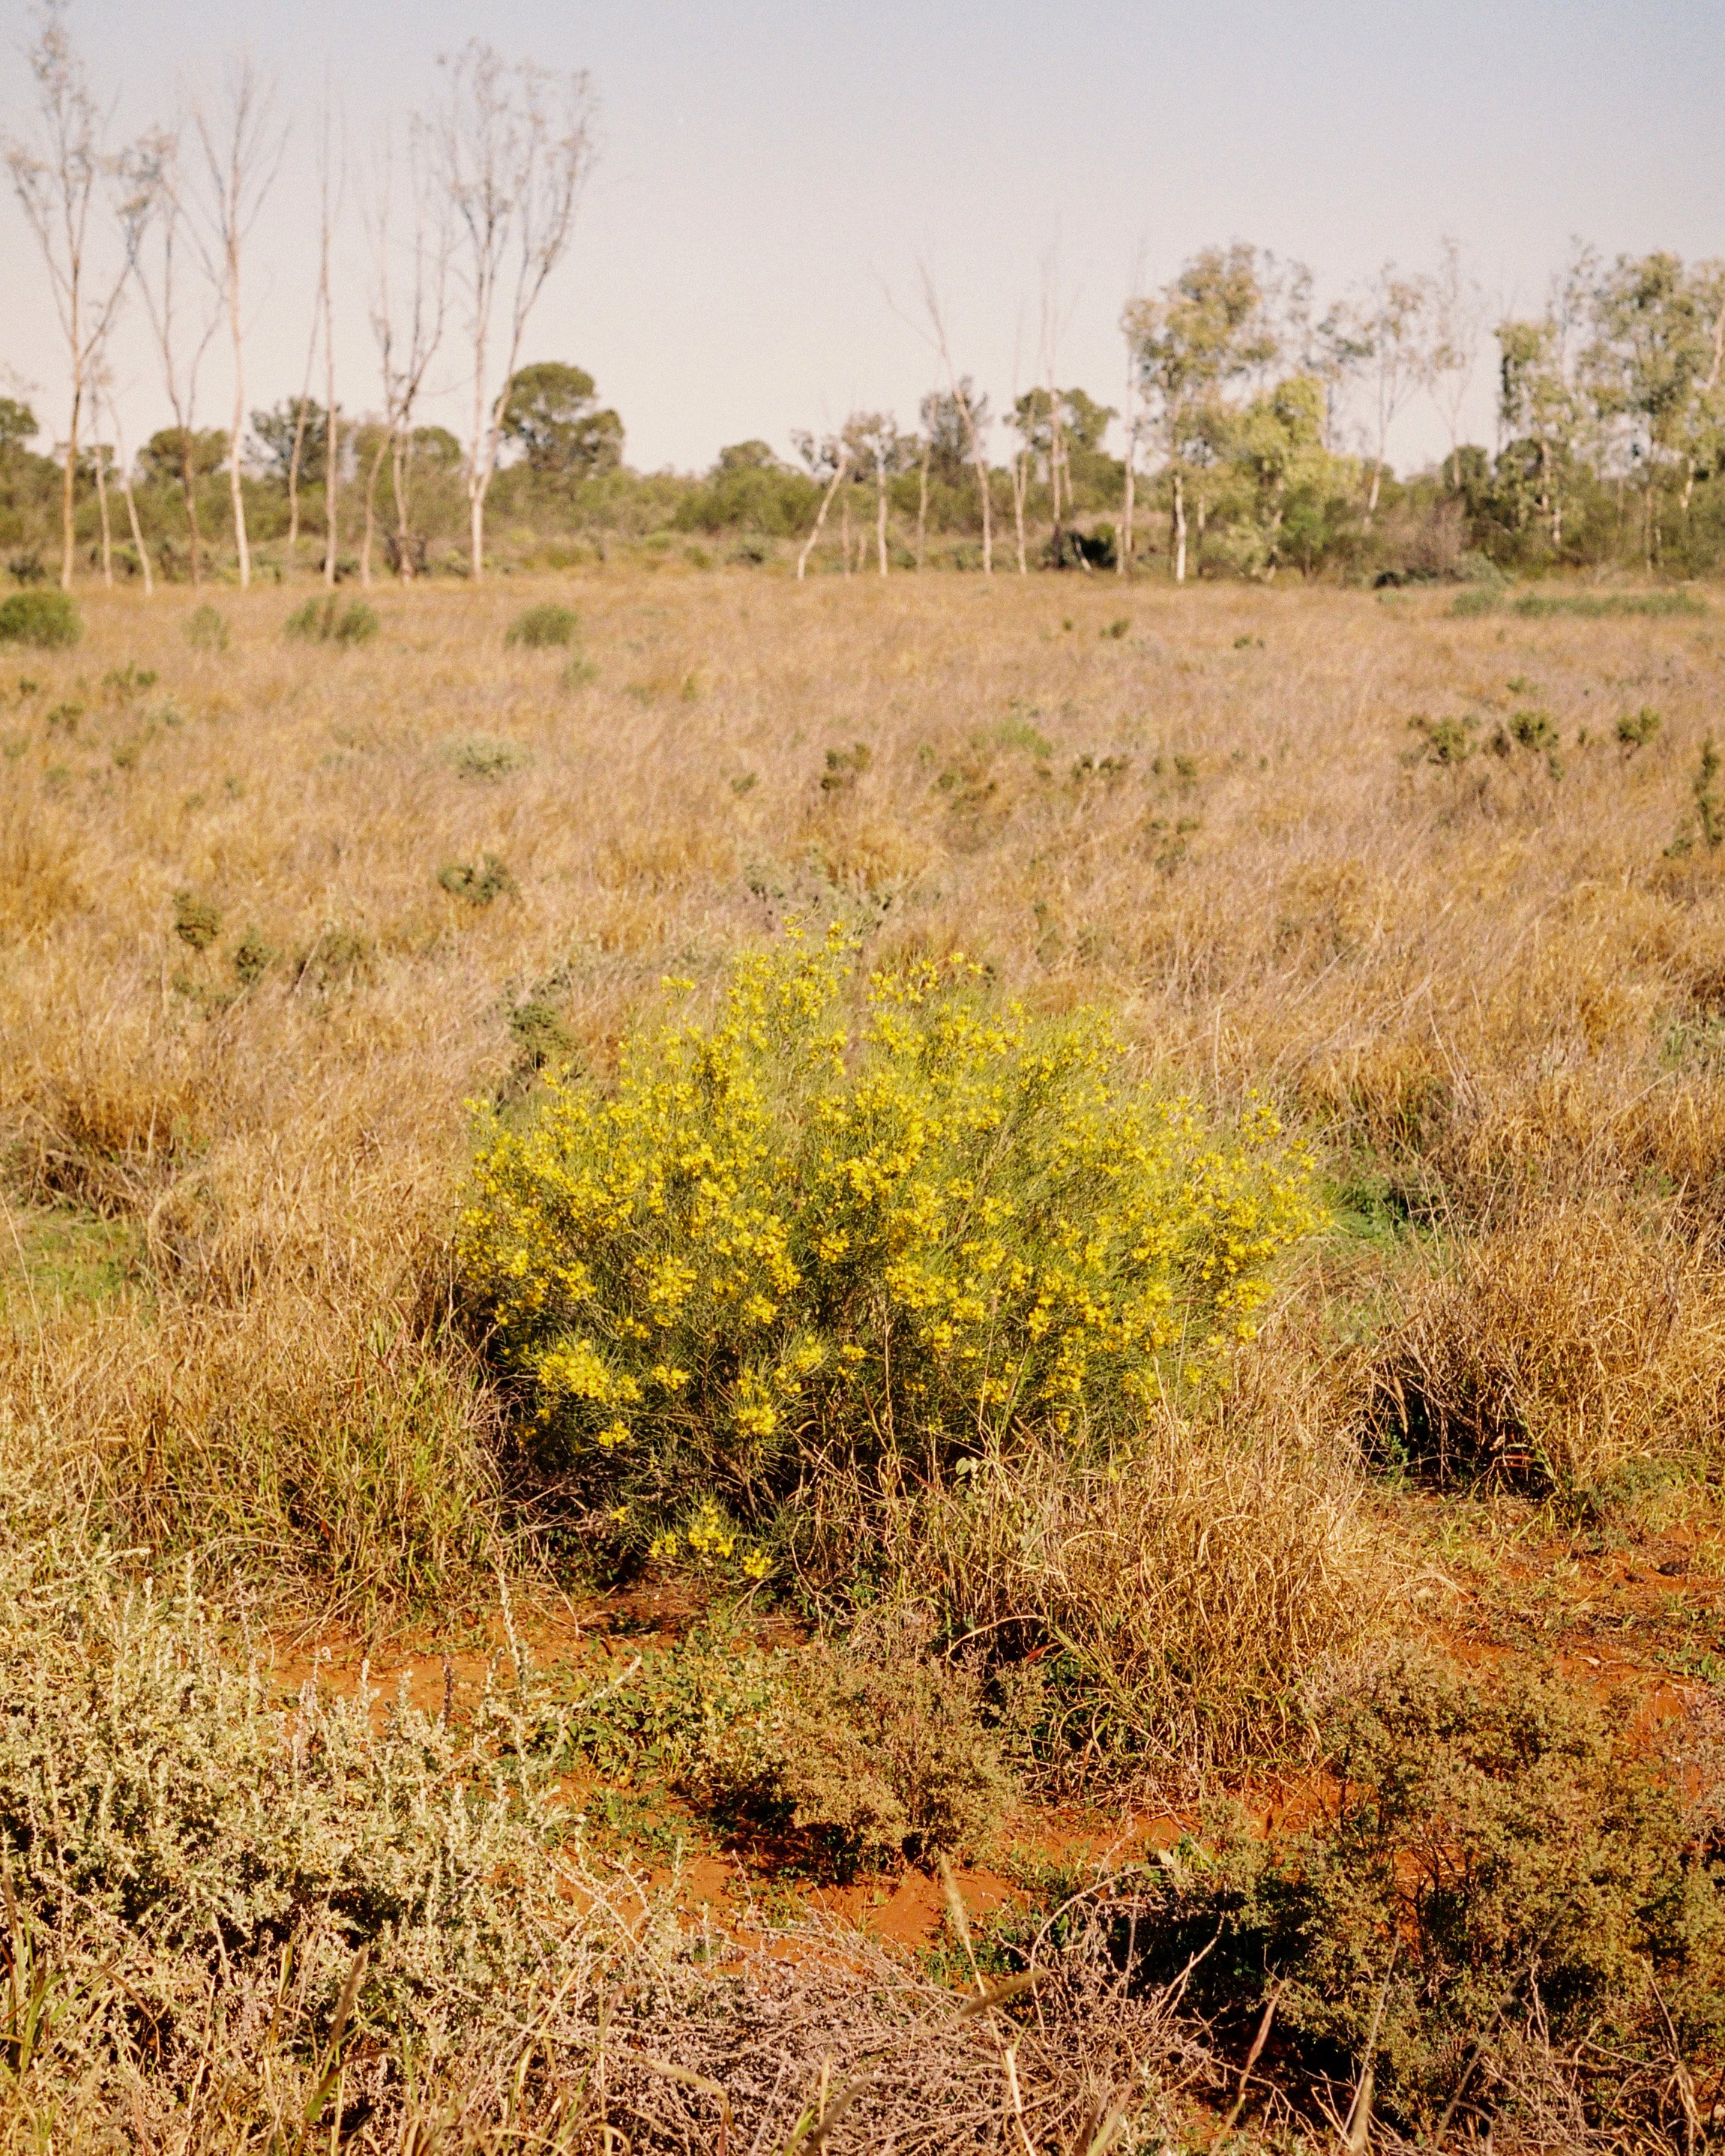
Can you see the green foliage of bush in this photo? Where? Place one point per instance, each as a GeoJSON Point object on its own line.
{"type": "Point", "coordinates": [478, 882]}
{"type": "Point", "coordinates": [327, 621]}
{"type": "Point", "coordinates": [870, 1757]}
{"type": "Point", "coordinates": [1585, 606]}
{"type": "Point", "coordinates": [543, 626]}
{"type": "Point", "coordinates": [1492, 1873]}
{"type": "Point", "coordinates": [479, 757]}
{"type": "Point", "coordinates": [206, 631]}
{"type": "Point", "coordinates": [904, 1239]}
{"type": "Point", "coordinates": [198, 922]}
{"type": "Point", "coordinates": [49, 620]}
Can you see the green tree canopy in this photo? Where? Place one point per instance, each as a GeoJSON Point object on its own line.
{"type": "Point", "coordinates": [554, 418]}
{"type": "Point", "coordinates": [18, 424]}
{"type": "Point", "coordinates": [273, 431]}
{"type": "Point", "coordinates": [164, 457]}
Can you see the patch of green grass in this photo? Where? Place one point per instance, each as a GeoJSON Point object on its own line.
{"type": "Point", "coordinates": [477, 755]}
{"type": "Point", "coordinates": [327, 621]}
{"type": "Point", "coordinates": [58, 1259]}
{"type": "Point", "coordinates": [541, 627]}
{"type": "Point", "coordinates": [1585, 606]}
{"type": "Point", "coordinates": [206, 631]}
{"type": "Point", "coordinates": [48, 620]}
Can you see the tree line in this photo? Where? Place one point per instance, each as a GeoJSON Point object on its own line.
{"type": "Point", "coordinates": [1251, 435]}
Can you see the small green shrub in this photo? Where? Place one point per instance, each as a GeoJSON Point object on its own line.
{"type": "Point", "coordinates": [478, 882]}
{"type": "Point", "coordinates": [542, 626]}
{"type": "Point", "coordinates": [327, 621]}
{"type": "Point", "coordinates": [206, 631]}
{"type": "Point", "coordinates": [578, 674]}
{"type": "Point", "coordinates": [196, 922]}
{"type": "Point", "coordinates": [47, 619]}
{"type": "Point", "coordinates": [252, 958]}
{"type": "Point", "coordinates": [1634, 729]}
{"type": "Point", "coordinates": [904, 1241]}
{"type": "Point", "coordinates": [1497, 1905]}
{"type": "Point", "coordinates": [1448, 742]}
{"type": "Point", "coordinates": [872, 1758]}
{"type": "Point", "coordinates": [540, 1034]}
{"type": "Point", "coordinates": [478, 757]}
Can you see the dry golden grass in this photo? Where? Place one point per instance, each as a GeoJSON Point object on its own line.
{"type": "Point", "coordinates": [242, 1013]}
{"type": "Point", "coordinates": [271, 919]}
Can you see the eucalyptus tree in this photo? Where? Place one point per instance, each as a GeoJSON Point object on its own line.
{"type": "Point", "coordinates": [243, 150]}
{"type": "Point", "coordinates": [514, 147]}
{"type": "Point", "coordinates": [1193, 343]}
{"type": "Point", "coordinates": [59, 175]}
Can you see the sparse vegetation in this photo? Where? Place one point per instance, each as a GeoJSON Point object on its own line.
{"type": "Point", "coordinates": [45, 620]}
{"type": "Point", "coordinates": [544, 627]}
{"type": "Point", "coordinates": [254, 983]}
{"type": "Point", "coordinates": [329, 621]}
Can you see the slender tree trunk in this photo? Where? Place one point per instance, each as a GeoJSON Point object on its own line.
{"type": "Point", "coordinates": [296, 459]}
{"type": "Point", "coordinates": [1372, 498]}
{"type": "Point", "coordinates": [1179, 526]}
{"type": "Point", "coordinates": [137, 536]}
{"type": "Point", "coordinates": [1128, 502]}
{"type": "Point", "coordinates": [826, 503]}
{"type": "Point", "coordinates": [398, 476]}
{"type": "Point", "coordinates": [124, 469]}
{"type": "Point", "coordinates": [845, 530]}
{"type": "Point", "coordinates": [101, 480]}
{"type": "Point", "coordinates": [236, 492]}
{"type": "Point", "coordinates": [332, 433]}
{"type": "Point", "coordinates": [68, 536]}
{"type": "Point", "coordinates": [1020, 482]}
{"type": "Point", "coordinates": [372, 478]}
{"type": "Point", "coordinates": [188, 480]}
{"type": "Point", "coordinates": [922, 505]}
{"type": "Point", "coordinates": [880, 510]}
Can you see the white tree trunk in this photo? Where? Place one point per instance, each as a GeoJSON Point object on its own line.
{"type": "Point", "coordinates": [236, 493]}
{"type": "Point", "coordinates": [1180, 528]}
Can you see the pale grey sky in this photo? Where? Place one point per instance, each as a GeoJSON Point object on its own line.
{"type": "Point", "coordinates": [770, 169]}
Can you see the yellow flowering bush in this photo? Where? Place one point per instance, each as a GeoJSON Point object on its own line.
{"type": "Point", "coordinates": [892, 1225]}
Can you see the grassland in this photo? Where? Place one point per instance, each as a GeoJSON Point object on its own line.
{"type": "Point", "coordinates": [1444, 888]}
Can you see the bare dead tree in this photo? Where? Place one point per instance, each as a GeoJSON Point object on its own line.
{"type": "Point", "coordinates": [56, 178]}
{"type": "Point", "coordinates": [935, 335]}
{"type": "Point", "coordinates": [328, 209]}
{"type": "Point", "coordinates": [98, 460]}
{"type": "Point", "coordinates": [922, 496]}
{"type": "Point", "coordinates": [104, 394]}
{"type": "Point", "coordinates": [515, 146]}
{"type": "Point", "coordinates": [1456, 321]}
{"type": "Point", "coordinates": [243, 150]}
{"type": "Point", "coordinates": [156, 238]}
{"type": "Point", "coordinates": [296, 455]}
{"type": "Point", "coordinates": [408, 329]}
{"type": "Point", "coordinates": [1390, 323]}
{"type": "Point", "coordinates": [837, 453]}
{"type": "Point", "coordinates": [1123, 554]}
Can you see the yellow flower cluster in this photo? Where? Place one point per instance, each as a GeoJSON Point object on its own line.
{"type": "Point", "coordinates": [910, 1222]}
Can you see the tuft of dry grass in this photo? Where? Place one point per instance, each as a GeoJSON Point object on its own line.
{"type": "Point", "coordinates": [1578, 1353]}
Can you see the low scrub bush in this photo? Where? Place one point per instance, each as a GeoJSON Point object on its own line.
{"type": "Point", "coordinates": [235, 1917]}
{"type": "Point", "coordinates": [869, 1757]}
{"type": "Point", "coordinates": [1576, 1353]}
{"type": "Point", "coordinates": [1499, 1919]}
{"type": "Point", "coordinates": [48, 620]}
{"type": "Point", "coordinates": [206, 631]}
{"type": "Point", "coordinates": [327, 621]}
{"type": "Point", "coordinates": [543, 626]}
{"type": "Point", "coordinates": [909, 1241]}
